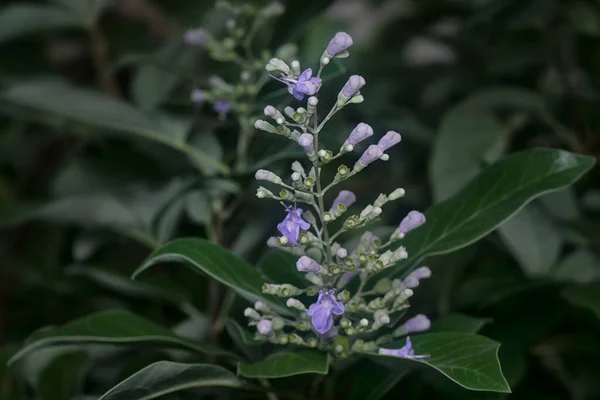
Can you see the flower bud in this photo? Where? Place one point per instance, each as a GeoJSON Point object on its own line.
{"type": "Point", "coordinates": [390, 139]}
{"type": "Point", "coordinates": [263, 193]}
{"type": "Point", "coordinates": [413, 220]}
{"type": "Point", "coordinates": [295, 303]}
{"type": "Point", "coordinates": [312, 105]}
{"type": "Point", "coordinates": [307, 264]}
{"type": "Point", "coordinates": [251, 313]}
{"type": "Point", "coordinates": [264, 175]}
{"type": "Point", "coordinates": [272, 241]}
{"type": "Point", "coordinates": [345, 197]}
{"type": "Point", "coordinates": [260, 306]}
{"type": "Point", "coordinates": [382, 317]}
{"type": "Point", "coordinates": [296, 67]}
{"type": "Point", "coordinates": [278, 323]}
{"type": "Point", "coordinates": [275, 64]}
{"type": "Point", "coordinates": [410, 282]}
{"type": "Point", "coordinates": [361, 132]}
{"type": "Point", "coordinates": [422, 273]}
{"type": "Point", "coordinates": [383, 286]}
{"type": "Point", "coordinates": [198, 96]}
{"type": "Point", "coordinates": [306, 141]}
{"type": "Point", "coordinates": [265, 126]}
{"type": "Point", "coordinates": [272, 112]}
{"type": "Point", "coordinates": [418, 323]}
{"type": "Point", "coordinates": [341, 253]}
{"type": "Point", "coordinates": [396, 194]}
{"type": "Point", "coordinates": [352, 86]}
{"type": "Point", "coordinates": [364, 322]}
{"type": "Point", "coordinates": [366, 211]}
{"type": "Point", "coordinates": [196, 37]}
{"type": "Point", "coordinates": [373, 153]}
{"type": "Point", "coordinates": [265, 327]}
{"type": "Point", "coordinates": [340, 43]}
{"type": "Point", "coordinates": [312, 342]}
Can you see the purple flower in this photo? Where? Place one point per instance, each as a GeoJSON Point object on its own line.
{"type": "Point", "coordinates": [390, 139]}
{"type": "Point", "coordinates": [345, 197]}
{"type": "Point", "coordinates": [306, 141]}
{"type": "Point", "coordinates": [340, 42]}
{"type": "Point", "coordinates": [360, 133]}
{"type": "Point", "coordinates": [322, 311]}
{"type": "Point", "coordinates": [307, 264]}
{"type": "Point", "coordinates": [373, 153]}
{"type": "Point", "coordinates": [418, 323]}
{"type": "Point", "coordinates": [222, 107]}
{"type": "Point", "coordinates": [354, 84]}
{"type": "Point", "coordinates": [265, 327]}
{"type": "Point", "coordinates": [198, 96]}
{"type": "Point", "coordinates": [406, 351]}
{"type": "Point", "coordinates": [196, 37]}
{"type": "Point", "coordinates": [292, 223]}
{"type": "Point", "coordinates": [413, 220]}
{"type": "Point", "coordinates": [305, 85]}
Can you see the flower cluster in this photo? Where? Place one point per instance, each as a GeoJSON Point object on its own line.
{"type": "Point", "coordinates": [345, 306]}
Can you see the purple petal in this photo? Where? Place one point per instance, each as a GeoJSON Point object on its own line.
{"type": "Point", "coordinates": [322, 320]}
{"type": "Point", "coordinates": [305, 75]}
{"type": "Point", "coordinates": [413, 220]}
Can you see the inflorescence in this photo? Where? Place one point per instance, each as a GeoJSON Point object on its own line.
{"type": "Point", "coordinates": [343, 308]}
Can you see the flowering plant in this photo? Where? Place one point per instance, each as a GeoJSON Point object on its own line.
{"type": "Point", "coordinates": [331, 295]}
{"type": "Point", "coordinates": [341, 309]}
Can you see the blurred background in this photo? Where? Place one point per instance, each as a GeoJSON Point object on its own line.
{"type": "Point", "coordinates": [99, 165]}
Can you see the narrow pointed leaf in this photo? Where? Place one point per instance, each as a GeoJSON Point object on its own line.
{"type": "Point", "coordinates": [99, 110]}
{"type": "Point", "coordinates": [113, 327]}
{"type": "Point", "coordinates": [467, 359]}
{"type": "Point", "coordinates": [217, 263]}
{"type": "Point", "coordinates": [286, 363]}
{"type": "Point", "coordinates": [491, 198]}
{"type": "Point", "coordinates": [23, 19]}
{"type": "Point", "coordinates": [165, 377]}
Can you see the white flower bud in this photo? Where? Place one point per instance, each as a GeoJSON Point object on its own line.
{"type": "Point", "coordinates": [264, 175]}
{"type": "Point", "coordinates": [265, 126]}
{"type": "Point", "coordinates": [260, 306]}
{"type": "Point", "coordinates": [294, 303]}
{"type": "Point", "coordinates": [296, 177]}
{"type": "Point", "coordinates": [263, 193]}
{"type": "Point", "coordinates": [275, 64]}
{"type": "Point", "coordinates": [396, 194]}
{"type": "Point", "coordinates": [385, 157]}
{"type": "Point", "coordinates": [295, 67]}
{"type": "Point", "coordinates": [364, 322]}
{"type": "Point", "coordinates": [251, 313]}
{"type": "Point", "coordinates": [325, 60]}
{"type": "Point", "coordinates": [342, 253]}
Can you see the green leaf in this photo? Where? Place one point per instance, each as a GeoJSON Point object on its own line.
{"type": "Point", "coordinates": [458, 323]}
{"type": "Point", "coordinates": [581, 266]}
{"type": "Point", "coordinates": [98, 110]}
{"type": "Point", "coordinates": [490, 199]}
{"type": "Point", "coordinates": [280, 266]}
{"type": "Point", "coordinates": [286, 363]}
{"type": "Point", "coordinates": [533, 239]}
{"type": "Point", "coordinates": [585, 296]}
{"type": "Point", "coordinates": [112, 327]}
{"type": "Point", "coordinates": [198, 207]}
{"type": "Point", "coordinates": [23, 19]}
{"type": "Point", "coordinates": [63, 377]}
{"type": "Point", "coordinates": [87, 11]}
{"type": "Point", "coordinates": [469, 360]}
{"type": "Point", "coordinates": [164, 377]}
{"type": "Point", "coordinates": [470, 134]}
{"type": "Point", "coordinates": [155, 79]}
{"type": "Point", "coordinates": [234, 329]}
{"type": "Point", "coordinates": [217, 263]}
{"type": "Point", "coordinates": [125, 285]}
{"type": "Point", "coordinates": [207, 142]}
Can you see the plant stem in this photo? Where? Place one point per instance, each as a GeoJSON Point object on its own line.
{"type": "Point", "coordinates": [99, 51]}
